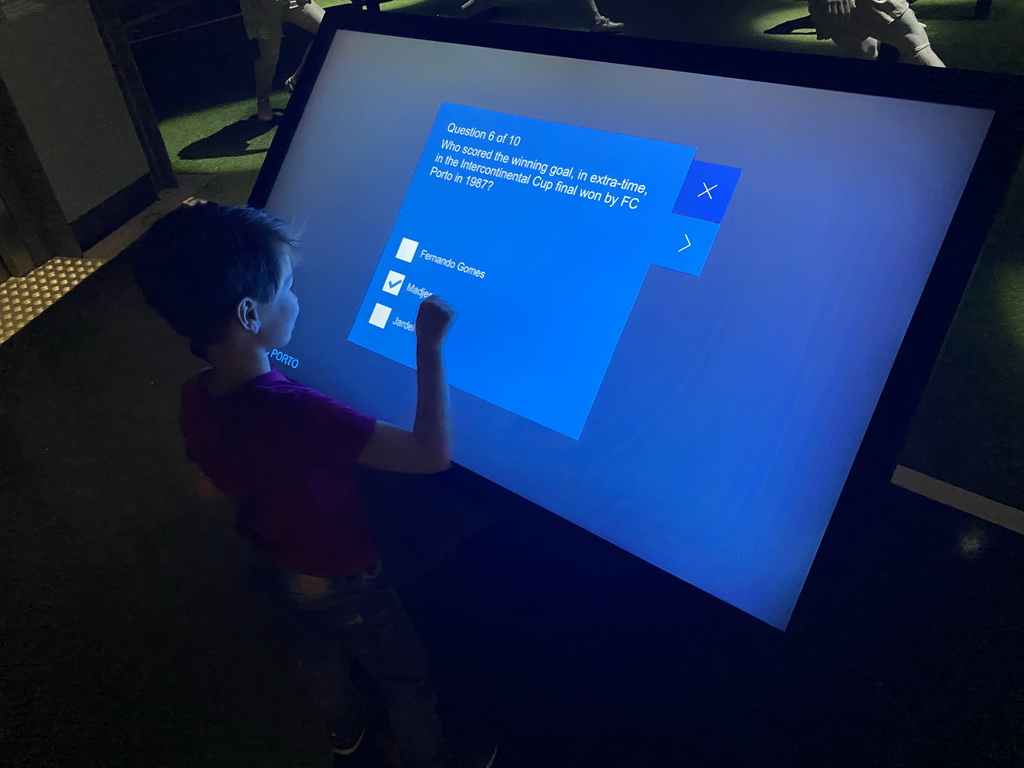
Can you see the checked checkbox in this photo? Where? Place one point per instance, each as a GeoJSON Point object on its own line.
{"type": "Point", "coordinates": [393, 283]}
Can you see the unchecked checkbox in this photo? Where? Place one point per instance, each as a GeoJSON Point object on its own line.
{"type": "Point", "coordinates": [393, 282]}
{"type": "Point", "coordinates": [379, 316]}
{"type": "Point", "coordinates": [407, 249]}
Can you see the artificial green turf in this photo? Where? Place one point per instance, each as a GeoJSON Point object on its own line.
{"type": "Point", "coordinates": [223, 139]}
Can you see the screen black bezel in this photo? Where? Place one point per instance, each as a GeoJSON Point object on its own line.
{"type": "Point", "coordinates": [1002, 93]}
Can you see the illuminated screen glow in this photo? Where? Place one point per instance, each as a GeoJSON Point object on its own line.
{"type": "Point", "coordinates": [679, 296]}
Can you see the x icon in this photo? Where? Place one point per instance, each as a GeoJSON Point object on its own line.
{"type": "Point", "coordinates": [707, 191]}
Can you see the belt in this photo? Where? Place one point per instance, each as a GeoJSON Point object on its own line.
{"type": "Point", "coordinates": [307, 587]}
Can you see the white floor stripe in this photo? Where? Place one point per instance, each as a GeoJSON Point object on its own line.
{"type": "Point", "coordinates": [958, 498]}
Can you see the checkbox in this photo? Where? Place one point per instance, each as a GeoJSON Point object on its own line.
{"type": "Point", "coordinates": [393, 282]}
{"type": "Point", "coordinates": [379, 316]}
{"type": "Point", "coordinates": [407, 249]}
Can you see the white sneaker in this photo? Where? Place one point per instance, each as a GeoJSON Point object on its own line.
{"type": "Point", "coordinates": [604, 24]}
{"type": "Point", "coordinates": [347, 741]}
{"type": "Point", "coordinates": [290, 83]}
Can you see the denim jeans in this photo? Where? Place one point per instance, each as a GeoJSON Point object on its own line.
{"type": "Point", "coordinates": [361, 620]}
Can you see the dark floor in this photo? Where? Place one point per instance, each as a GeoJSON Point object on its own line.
{"type": "Point", "coordinates": [131, 637]}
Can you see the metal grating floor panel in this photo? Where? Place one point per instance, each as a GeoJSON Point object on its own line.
{"type": "Point", "coordinates": [22, 299]}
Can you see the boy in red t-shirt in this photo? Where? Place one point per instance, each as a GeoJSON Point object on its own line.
{"type": "Point", "coordinates": [286, 455]}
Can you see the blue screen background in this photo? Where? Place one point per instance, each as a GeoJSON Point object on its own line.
{"type": "Point", "coordinates": [735, 400]}
{"type": "Point", "coordinates": [545, 362]}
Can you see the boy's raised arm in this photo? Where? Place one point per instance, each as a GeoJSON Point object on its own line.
{"type": "Point", "coordinates": [427, 448]}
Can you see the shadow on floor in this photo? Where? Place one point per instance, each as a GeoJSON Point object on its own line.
{"type": "Point", "coordinates": [230, 141]}
{"type": "Point", "coordinates": [801, 26]}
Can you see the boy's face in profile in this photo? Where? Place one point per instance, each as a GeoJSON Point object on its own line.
{"type": "Point", "coordinates": [278, 315]}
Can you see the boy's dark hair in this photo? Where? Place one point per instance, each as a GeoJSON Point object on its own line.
{"type": "Point", "coordinates": [196, 263]}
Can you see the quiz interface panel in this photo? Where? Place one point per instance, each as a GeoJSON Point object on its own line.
{"type": "Point", "coordinates": [540, 236]}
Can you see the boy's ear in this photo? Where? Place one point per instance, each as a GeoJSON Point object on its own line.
{"type": "Point", "coordinates": [248, 315]}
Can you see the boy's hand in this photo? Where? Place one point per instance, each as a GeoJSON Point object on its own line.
{"type": "Point", "coordinates": [433, 320]}
{"type": "Point", "coordinates": [427, 448]}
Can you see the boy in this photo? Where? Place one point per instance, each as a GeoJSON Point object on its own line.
{"type": "Point", "coordinates": [286, 454]}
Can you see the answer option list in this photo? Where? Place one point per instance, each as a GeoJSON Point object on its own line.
{"type": "Point", "coordinates": [521, 224]}
{"type": "Point", "coordinates": [387, 312]}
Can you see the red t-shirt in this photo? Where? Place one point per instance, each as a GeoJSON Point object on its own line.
{"type": "Point", "coordinates": [286, 454]}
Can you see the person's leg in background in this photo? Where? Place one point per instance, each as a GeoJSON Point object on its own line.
{"type": "Point", "coordinates": [262, 20]}
{"type": "Point", "coordinates": [307, 16]}
{"type": "Point", "coordinates": [600, 22]}
{"type": "Point", "coordinates": [856, 46]}
{"type": "Point", "coordinates": [264, 68]}
{"type": "Point", "coordinates": [904, 32]}
{"type": "Point", "coordinates": [859, 31]}
{"type": "Point", "coordinates": [832, 20]}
